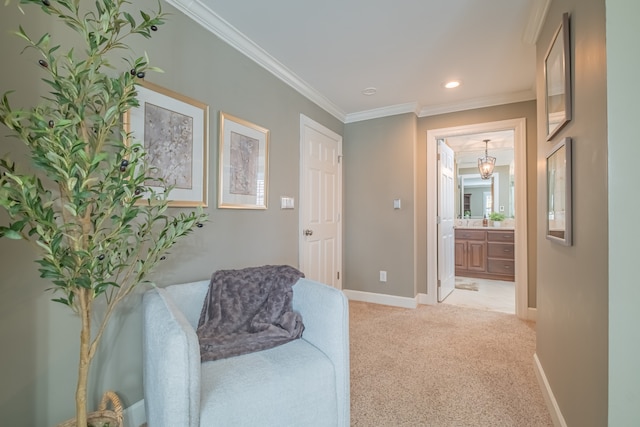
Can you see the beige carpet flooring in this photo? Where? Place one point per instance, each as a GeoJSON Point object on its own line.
{"type": "Point", "coordinates": [442, 366]}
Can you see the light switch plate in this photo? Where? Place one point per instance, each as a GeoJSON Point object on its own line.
{"type": "Point", "coordinates": [286, 202]}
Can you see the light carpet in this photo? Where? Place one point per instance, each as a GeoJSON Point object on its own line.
{"type": "Point", "coordinates": [442, 366]}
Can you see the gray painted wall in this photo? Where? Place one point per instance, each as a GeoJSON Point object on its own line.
{"type": "Point", "coordinates": [623, 91]}
{"type": "Point", "coordinates": [38, 361]}
{"type": "Point", "coordinates": [572, 327]}
{"type": "Point", "coordinates": [379, 159]}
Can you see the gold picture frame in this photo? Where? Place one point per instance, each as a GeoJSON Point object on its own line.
{"type": "Point", "coordinates": [174, 131]}
{"type": "Point", "coordinates": [243, 181]}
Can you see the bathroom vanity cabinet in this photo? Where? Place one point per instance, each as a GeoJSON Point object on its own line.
{"type": "Point", "coordinates": [485, 253]}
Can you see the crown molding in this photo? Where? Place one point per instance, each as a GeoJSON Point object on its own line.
{"type": "Point", "coordinates": [208, 19]}
{"type": "Point", "coordinates": [425, 111]}
{"type": "Point", "coordinates": [472, 104]}
{"type": "Point", "coordinates": [411, 107]}
{"type": "Point", "coordinates": [537, 15]}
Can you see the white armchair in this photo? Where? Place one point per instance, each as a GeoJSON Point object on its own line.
{"type": "Point", "coordinates": [302, 383]}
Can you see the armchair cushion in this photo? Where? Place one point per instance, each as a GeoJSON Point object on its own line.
{"type": "Point", "coordinates": [282, 386]}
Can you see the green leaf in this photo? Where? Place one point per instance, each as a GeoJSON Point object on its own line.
{"type": "Point", "coordinates": [71, 208]}
{"type": "Point", "coordinates": [10, 234]}
{"type": "Point", "coordinates": [145, 16]}
{"type": "Point", "coordinates": [71, 183]}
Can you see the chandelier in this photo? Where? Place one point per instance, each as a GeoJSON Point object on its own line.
{"type": "Point", "coordinates": [486, 163]}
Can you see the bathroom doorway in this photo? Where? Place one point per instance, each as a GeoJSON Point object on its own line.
{"type": "Point", "coordinates": [484, 274]}
{"type": "Point", "coordinates": [518, 127]}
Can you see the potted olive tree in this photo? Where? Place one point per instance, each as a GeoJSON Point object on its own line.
{"type": "Point", "coordinates": [86, 208]}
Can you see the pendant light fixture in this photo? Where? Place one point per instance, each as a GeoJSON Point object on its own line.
{"type": "Point", "coordinates": [486, 163]}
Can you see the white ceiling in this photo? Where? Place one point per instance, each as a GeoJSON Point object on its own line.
{"type": "Point", "coordinates": [330, 50]}
{"type": "Point", "coordinates": [468, 148]}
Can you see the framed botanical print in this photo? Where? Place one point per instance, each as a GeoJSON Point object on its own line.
{"type": "Point", "coordinates": [173, 130]}
{"type": "Point", "coordinates": [243, 180]}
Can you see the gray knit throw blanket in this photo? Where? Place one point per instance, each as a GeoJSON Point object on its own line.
{"type": "Point", "coordinates": [248, 310]}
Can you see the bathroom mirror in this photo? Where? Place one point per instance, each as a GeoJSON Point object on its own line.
{"type": "Point", "coordinates": [477, 196]}
{"type": "Point", "coordinates": [559, 193]}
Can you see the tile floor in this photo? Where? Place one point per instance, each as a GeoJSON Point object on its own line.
{"type": "Point", "coordinates": [493, 295]}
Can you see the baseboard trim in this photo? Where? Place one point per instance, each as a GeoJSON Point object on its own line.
{"type": "Point", "coordinates": [549, 398]}
{"type": "Point", "coordinates": [384, 299]}
{"type": "Point", "coordinates": [425, 299]}
{"type": "Point", "coordinates": [135, 415]}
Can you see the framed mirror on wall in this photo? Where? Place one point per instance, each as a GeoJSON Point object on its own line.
{"type": "Point", "coordinates": [557, 74]}
{"type": "Point", "coordinates": [559, 206]}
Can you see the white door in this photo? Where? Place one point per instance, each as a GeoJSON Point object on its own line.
{"type": "Point", "coordinates": [320, 203]}
{"type": "Point", "coordinates": [446, 238]}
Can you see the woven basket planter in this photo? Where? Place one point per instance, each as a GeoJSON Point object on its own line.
{"type": "Point", "coordinates": [103, 417]}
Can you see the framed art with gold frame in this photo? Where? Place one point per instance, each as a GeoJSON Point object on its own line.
{"type": "Point", "coordinates": [174, 131]}
{"type": "Point", "coordinates": [243, 180]}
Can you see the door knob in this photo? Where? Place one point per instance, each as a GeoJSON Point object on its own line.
{"type": "Point", "coordinates": [308, 232]}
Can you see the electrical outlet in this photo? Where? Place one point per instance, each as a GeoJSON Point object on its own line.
{"type": "Point", "coordinates": [383, 276]}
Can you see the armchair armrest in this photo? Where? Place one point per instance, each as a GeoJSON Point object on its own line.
{"type": "Point", "coordinates": [171, 375]}
{"type": "Point", "coordinates": [325, 314]}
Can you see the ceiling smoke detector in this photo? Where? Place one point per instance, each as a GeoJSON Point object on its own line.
{"type": "Point", "coordinates": [369, 91]}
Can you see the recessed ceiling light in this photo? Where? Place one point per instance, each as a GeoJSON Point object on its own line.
{"type": "Point", "coordinates": [452, 84]}
{"type": "Point", "coordinates": [369, 91]}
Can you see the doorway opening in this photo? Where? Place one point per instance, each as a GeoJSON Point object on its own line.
{"type": "Point", "coordinates": [484, 269]}
{"type": "Point", "coordinates": [518, 127]}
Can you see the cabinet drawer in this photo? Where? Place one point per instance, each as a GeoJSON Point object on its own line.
{"type": "Point", "coordinates": [500, 236]}
{"type": "Point", "coordinates": [471, 234]}
{"type": "Point", "coordinates": [501, 266]}
{"type": "Point", "coordinates": [501, 250]}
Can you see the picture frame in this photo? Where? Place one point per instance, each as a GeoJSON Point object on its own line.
{"type": "Point", "coordinates": [557, 75]}
{"type": "Point", "coordinates": [559, 194]}
{"type": "Point", "coordinates": [174, 131]}
{"type": "Point", "coordinates": [243, 181]}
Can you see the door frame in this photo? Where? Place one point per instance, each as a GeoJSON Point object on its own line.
{"type": "Point", "coordinates": [519, 127]}
{"type": "Point", "coordinates": [310, 123]}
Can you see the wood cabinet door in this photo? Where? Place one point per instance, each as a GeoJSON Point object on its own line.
{"type": "Point", "coordinates": [476, 256]}
{"type": "Point", "coordinates": [461, 255]}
